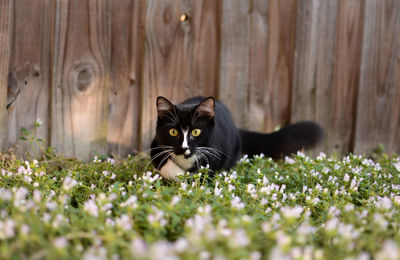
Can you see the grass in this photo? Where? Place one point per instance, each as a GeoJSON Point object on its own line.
{"type": "Point", "coordinates": [301, 208]}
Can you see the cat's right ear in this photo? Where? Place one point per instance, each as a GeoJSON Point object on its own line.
{"type": "Point", "coordinates": [206, 107]}
{"type": "Point", "coordinates": [163, 106]}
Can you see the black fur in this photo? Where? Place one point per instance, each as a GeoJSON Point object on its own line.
{"type": "Point", "coordinates": [225, 142]}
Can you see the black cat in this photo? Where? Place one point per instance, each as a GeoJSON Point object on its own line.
{"type": "Point", "coordinates": [200, 132]}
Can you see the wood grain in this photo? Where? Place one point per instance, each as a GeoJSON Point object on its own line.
{"type": "Point", "coordinates": [235, 59]}
{"type": "Point", "coordinates": [257, 61]}
{"type": "Point", "coordinates": [91, 70]}
{"type": "Point", "coordinates": [281, 42]}
{"type": "Point", "coordinates": [29, 72]}
{"type": "Point", "coordinates": [180, 56]}
{"type": "Point", "coordinates": [378, 108]}
{"type": "Point", "coordinates": [5, 28]}
{"type": "Point", "coordinates": [343, 111]}
{"type": "Point", "coordinates": [257, 78]}
{"type": "Point", "coordinates": [81, 78]}
{"type": "Point", "coordinates": [127, 48]}
{"type": "Point", "coordinates": [314, 63]}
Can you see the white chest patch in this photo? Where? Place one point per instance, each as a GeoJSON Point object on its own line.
{"type": "Point", "coordinates": [170, 171]}
{"type": "Point", "coordinates": [184, 163]}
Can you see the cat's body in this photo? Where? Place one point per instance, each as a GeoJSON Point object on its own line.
{"type": "Point", "coordinates": [200, 132]}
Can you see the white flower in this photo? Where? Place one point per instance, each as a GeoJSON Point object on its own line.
{"type": "Point", "coordinates": [7, 229]}
{"type": "Point", "coordinates": [291, 213]}
{"type": "Point", "coordinates": [181, 245]}
{"type": "Point", "coordinates": [255, 255]}
{"type": "Point", "coordinates": [96, 159]}
{"type": "Point", "coordinates": [138, 248]}
{"type": "Point", "coordinates": [346, 177]}
{"type": "Point", "coordinates": [282, 239]}
{"type": "Point", "coordinates": [237, 203]}
{"type": "Point", "coordinates": [46, 217]}
{"type": "Point", "coordinates": [384, 203]}
{"type": "Point", "coordinates": [110, 160]}
{"type": "Point", "coordinates": [204, 255]}
{"type": "Point", "coordinates": [348, 207]}
{"type": "Point", "coordinates": [60, 242]}
{"type": "Point", "coordinates": [332, 224]}
{"type": "Point", "coordinates": [69, 183]}
{"type": "Point", "coordinates": [91, 208]}
{"type": "Point", "coordinates": [107, 206]}
{"type": "Point", "coordinates": [175, 200]}
{"type": "Point", "coordinates": [51, 205]}
{"type": "Point", "coordinates": [289, 160]}
{"type": "Point", "coordinates": [95, 253]}
{"type": "Point", "coordinates": [124, 222]}
{"type": "Point", "coordinates": [59, 220]}
{"type": "Point", "coordinates": [183, 186]}
{"type": "Point", "coordinates": [321, 156]}
{"type": "Point", "coordinates": [131, 202]}
{"type": "Point", "coordinates": [354, 185]}
{"type": "Point", "coordinates": [251, 189]}
{"type": "Point", "coordinates": [390, 250]}
{"type": "Point", "coordinates": [239, 238]}
{"type": "Point", "coordinates": [217, 191]}
{"type": "Point", "coordinates": [397, 166]}
{"type": "Point", "coordinates": [38, 122]}
{"type": "Point", "coordinates": [380, 220]}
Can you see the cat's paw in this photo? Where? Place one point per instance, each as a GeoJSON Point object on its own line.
{"type": "Point", "coordinates": [171, 171]}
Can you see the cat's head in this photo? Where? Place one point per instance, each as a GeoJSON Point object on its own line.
{"type": "Point", "coordinates": [184, 126]}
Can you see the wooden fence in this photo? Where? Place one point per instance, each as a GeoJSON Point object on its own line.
{"type": "Point", "coordinates": [91, 70]}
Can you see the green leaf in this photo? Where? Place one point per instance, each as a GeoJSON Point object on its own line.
{"type": "Point", "coordinates": [24, 131]}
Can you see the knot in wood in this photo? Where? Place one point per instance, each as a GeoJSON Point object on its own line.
{"type": "Point", "coordinates": [84, 76]}
{"type": "Point", "coordinates": [184, 17]}
{"type": "Point", "coordinates": [167, 15]}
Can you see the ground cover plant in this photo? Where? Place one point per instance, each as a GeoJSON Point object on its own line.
{"type": "Point", "coordinates": [298, 208]}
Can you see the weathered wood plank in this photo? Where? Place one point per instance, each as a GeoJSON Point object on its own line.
{"type": "Point", "coordinates": [378, 109]}
{"type": "Point", "coordinates": [257, 78]}
{"type": "Point", "coordinates": [204, 70]}
{"type": "Point", "coordinates": [235, 59]}
{"type": "Point", "coordinates": [127, 48]}
{"type": "Point", "coordinates": [281, 41]}
{"type": "Point", "coordinates": [314, 63]}
{"type": "Point", "coordinates": [181, 58]}
{"type": "Point", "coordinates": [5, 28]}
{"type": "Point", "coordinates": [81, 78]}
{"type": "Point", "coordinates": [29, 72]}
{"type": "Point", "coordinates": [342, 115]}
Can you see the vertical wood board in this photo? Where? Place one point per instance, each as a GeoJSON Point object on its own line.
{"type": "Point", "coordinates": [5, 28]}
{"type": "Point", "coordinates": [314, 63]}
{"type": "Point", "coordinates": [127, 48]}
{"type": "Point", "coordinates": [234, 61]}
{"type": "Point", "coordinates": [378, 108]}
{"type": "Point", "coordinates": [281, 41]}
{"type": "Point", "coordinates": [81, 78]}
{"type": "Point", "coordinates": [257, 78]}
{"type": "Point", "coordinates": [29, 73]}
{"type": "Point", "coordinates": [178, 61]}
{"type": "Point", "coordinates": [343, 111]}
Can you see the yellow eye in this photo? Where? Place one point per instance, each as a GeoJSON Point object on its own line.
{"type": "Point", "coordinates": [173, 132]}
{"type": "Point", "coordinates": [196, 132]}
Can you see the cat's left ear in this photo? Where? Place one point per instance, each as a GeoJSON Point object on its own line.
{"type": "Point", "coordinates": [206, 107]}
{"type": "Point", "coordinates": [164, 105]}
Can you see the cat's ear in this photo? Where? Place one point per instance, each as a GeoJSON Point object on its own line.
{"type": "Point", "coordinates": [164, 105]}
{"type": "Point", "coordinates": [206, 107]}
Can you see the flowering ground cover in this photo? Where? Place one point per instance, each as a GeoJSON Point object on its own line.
{"type": "Point", "coordinates": [298, 208]}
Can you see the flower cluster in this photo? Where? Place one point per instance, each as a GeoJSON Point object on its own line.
{"type": "Point", "coordinates": [297, 208]}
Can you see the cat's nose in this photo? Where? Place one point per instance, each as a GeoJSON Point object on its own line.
{"type": "Point", "coordinates": [187, 152]}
